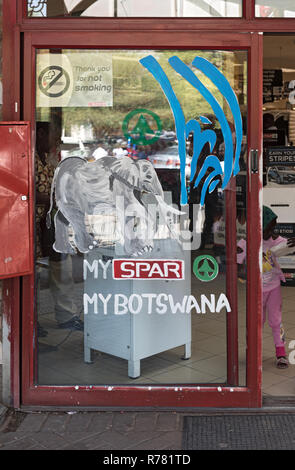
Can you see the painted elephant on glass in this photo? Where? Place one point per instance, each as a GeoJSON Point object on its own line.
{"type": "Point", "coordinates": [107, 186]}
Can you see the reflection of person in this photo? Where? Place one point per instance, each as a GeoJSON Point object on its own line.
{"type": "Point", "coordinates": [169, 181]}
{"type": "Point", "coordinates": [211, 199]}
{"type": "Point", "coordinates": [271, 282]}
{"type": "Point", "coordinates": [274, 134]}
{"type": "Point", "coordinates": [60, 266]}
{"type": "Point", "coordinates": [44, 172]}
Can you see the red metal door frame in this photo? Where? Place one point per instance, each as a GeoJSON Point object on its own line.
{"type": "Point", "coordinates": [188, 396]}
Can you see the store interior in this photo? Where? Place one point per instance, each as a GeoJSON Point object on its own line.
{"type": "Point", "coordinates": [278, 134]}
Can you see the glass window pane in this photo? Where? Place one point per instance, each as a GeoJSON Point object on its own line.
{"type": "Point", "coordinates": [275, 8]}
{"type": "Point", "coordinates": [131, 277]}
{"type": "Point", "coordinates": [279, 182]}
{"type": "Point", "coordinates": [134, 8]}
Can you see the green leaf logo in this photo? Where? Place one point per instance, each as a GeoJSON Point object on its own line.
{"type": "Point", "coordinates": [142, 133]}
{"type": "Point", "coordinates": [205, 268]}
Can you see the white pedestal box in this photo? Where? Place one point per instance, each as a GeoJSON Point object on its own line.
{"type": "Point", "coordinates": [135, 336]}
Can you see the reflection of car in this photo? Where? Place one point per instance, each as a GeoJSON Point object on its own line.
{"type": "Point", "coordinates": [169, 159]}
{"type": "Point", "coordinates": [281, 176]}
{"type": "Point", "coordinates": [168, 135]}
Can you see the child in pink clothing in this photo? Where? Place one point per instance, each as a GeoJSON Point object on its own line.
{"type": "Point", "coordinates": [272, 276]}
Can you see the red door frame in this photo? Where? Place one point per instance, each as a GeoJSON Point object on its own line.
{"type": "Point", "coordinates": [160, 396]}
{"type": "Point", "coordinates": [14, 24]}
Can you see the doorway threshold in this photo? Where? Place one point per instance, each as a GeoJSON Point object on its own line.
{"type": "Point", "coordinates": [278, 402]}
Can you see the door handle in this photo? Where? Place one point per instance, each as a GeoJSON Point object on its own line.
{"type": "Point", "coordinates": [280, 205]}
{"type": "Point", "coordinates": [254, 160]}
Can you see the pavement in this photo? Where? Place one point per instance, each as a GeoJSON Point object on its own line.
{"type": "Point", "coordinates": [90, 430]}
{"type": "Point", "coordinates": [147, 430]}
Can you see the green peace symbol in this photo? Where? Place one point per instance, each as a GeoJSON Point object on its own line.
{"type": "Point", "coordinates": [142, 128]}
{"type": "Point", "coordinates": [205, 268]}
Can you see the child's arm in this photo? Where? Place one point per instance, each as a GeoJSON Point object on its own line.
{"type": "Point", "coordinates": [291, 242]}
{"type": "Point", "coordinates": [282, 247]}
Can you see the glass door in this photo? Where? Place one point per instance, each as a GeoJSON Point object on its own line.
{"type": "Point", "coordinates": [142, 183]}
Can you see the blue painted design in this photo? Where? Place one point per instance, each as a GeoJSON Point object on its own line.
{"type": "Point", "coordinates": [183, 129]}
{"type": "Point", "coordinates": [224, 87]}
{"type": "Point", "coordinates": [158, 73]}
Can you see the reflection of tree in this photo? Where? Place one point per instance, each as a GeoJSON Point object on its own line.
{"type": "Point", "coordinates": [57, 7]}
{"type": "Point", "coordinates": [81, 7]}
{"type": "Point", "coordinates": [134, 88]}
{"type": "Point", "coordinates": [36, 7]}
{"type": "Point", "coordinates": [209, 9]}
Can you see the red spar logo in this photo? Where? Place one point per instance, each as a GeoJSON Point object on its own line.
{"type": "Point", "coordinates": [148, 269]}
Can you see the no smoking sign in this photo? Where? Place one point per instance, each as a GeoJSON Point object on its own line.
{"type": "Point", "coordinates": [74, 79]}
{"type": "Point", "coordinates": [54, 81]}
